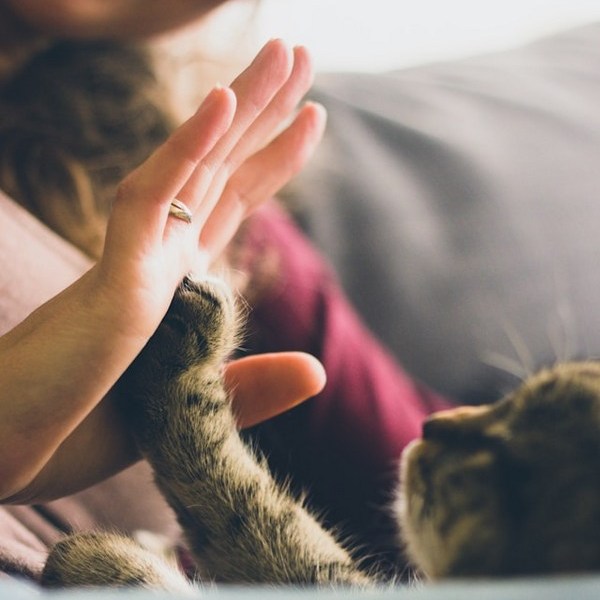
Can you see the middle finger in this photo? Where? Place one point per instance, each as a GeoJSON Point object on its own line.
{"type": "Point", "coordinates": [254, 89]}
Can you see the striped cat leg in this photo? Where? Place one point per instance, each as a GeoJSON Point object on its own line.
{"type": "Point", "coordinates": [241, 525]}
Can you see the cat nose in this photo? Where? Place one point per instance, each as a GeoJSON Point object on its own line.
{"type": "Point", "coordinates": [447, 423]}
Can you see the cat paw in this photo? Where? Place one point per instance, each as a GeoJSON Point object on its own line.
{"type": "Point", "coordinates": [182, 360]}
{"type": "Point", "coordinates": [200, 328]}
{"type": "Point", "coordinates": [201, 322]}
{"type": "Point", "coordinates": [104, 559]}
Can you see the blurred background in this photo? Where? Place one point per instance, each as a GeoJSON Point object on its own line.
{"type": "Point", "coordinates": [358, 35]}
{"type": "Point", "coordinates": [384, 34]}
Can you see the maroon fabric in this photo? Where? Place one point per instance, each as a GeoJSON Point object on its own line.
{"type": "Point", "coordinates": [344, 445]}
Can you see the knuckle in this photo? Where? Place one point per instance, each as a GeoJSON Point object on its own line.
{"type": "Point", "coordinates": [184, 151]}
{"type": "Point", "coordinates": [126, 189]}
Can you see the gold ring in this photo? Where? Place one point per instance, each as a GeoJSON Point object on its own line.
{"type": "Point", "coordinates": [180, 211]}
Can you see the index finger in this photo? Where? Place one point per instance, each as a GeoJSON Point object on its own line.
{"type": "Point", "coordinates": [144, 196]}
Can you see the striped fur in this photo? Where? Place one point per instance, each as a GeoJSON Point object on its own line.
{"type": "Point", "coordinates": [509, 489]}
{"type": "Point", "coordinates": [512, 488]}
{"type": "Point", "coordinates": [240, 525]}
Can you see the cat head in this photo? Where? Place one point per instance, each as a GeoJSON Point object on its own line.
{"type": "Point", "coordinates": [511, 488]}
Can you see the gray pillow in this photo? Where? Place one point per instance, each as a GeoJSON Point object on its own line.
{"type": "Point", "coordinates": [460, 205]}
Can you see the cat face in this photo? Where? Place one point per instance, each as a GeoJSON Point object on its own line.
{"type": "Point", "coordinates": [511, 488]}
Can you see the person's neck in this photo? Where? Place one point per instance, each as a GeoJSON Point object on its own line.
{"type": "Point", "coordinates": [18, 42]}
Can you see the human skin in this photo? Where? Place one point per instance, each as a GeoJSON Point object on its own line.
{"type": "Point", "coordinates": [62, 361]}
{"type": "Point", "coordinates": [108, 18]}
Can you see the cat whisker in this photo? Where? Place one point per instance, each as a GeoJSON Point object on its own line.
{"type": "Point", "coordinates": [527, 362]}
{"type": "Point", "coordinates": [506, 365]}
{"type": "Point", "coordinates": [561, 331]}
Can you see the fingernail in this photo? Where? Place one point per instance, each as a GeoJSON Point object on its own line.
{"type": "Point", "coordinates": [211, 98]}
{"type": "Point", "coordinates": [317, 106]}
{"type": "Point", "coordinates": [266, 47]}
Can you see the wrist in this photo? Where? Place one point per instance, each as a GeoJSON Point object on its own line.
{"type": "Point", "coordinates": [122, 310]}
{"type": "Point", "coordinates": [60, 362]}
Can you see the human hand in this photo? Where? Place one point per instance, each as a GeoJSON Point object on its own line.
{"type": "Point", "coordinates": [261, 387]}
{"type": "Point", "coordinates": [221, 163]}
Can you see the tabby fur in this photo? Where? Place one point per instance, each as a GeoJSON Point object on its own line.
{"type": "Point", "coordinates": [512, 488]}
{"type": "Point", "coordinates": [509, 489]}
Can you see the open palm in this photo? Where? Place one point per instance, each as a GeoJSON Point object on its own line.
{"type": "Point", "coordinates": [223, 162]}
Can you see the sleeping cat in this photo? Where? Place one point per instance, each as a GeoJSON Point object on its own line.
{"type": "Point", "coordinates": [512, 488]}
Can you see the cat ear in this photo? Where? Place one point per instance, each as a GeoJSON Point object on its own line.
{"type": "Point", "coordinates": [468, 421]}
{"type": "Point", "coordinates": [454, 421]}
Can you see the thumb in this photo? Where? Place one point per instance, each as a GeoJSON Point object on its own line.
{"type": "Point", "coordinates": [265, 385]}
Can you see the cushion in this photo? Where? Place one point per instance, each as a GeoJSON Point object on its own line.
{"type": "Point", "coordinates": [459, 204]}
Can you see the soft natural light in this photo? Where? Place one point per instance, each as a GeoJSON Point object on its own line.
{"type": "Point", "coordinates": [382, 34]}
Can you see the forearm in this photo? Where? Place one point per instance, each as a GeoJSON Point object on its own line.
{"type": "Point", "coordinates": [99, 448]}
{"type": "Point", "coordinates": [56, 367]}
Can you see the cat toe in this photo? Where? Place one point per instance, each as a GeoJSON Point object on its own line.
{"type": "Point", "coordinates": [204, 314]}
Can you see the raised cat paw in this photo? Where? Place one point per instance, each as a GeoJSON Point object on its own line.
{"type": "Point", "coordinates": [181, 360]}
{"type": "Point", "coordinates": [199, 328]}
